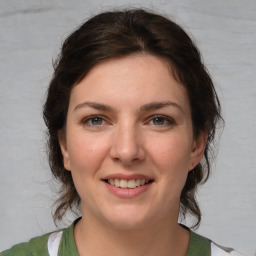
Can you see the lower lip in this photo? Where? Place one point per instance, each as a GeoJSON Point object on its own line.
{"type": "Point", "coordinates": [128, 192]}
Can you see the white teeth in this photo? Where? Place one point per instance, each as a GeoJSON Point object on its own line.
{"type": "Point", "coordinates": [137, 182]}
{"type": "Point", "coordinates": [131, 184]}
{"type": "Point", "coordinates": [142, 182]}
{"type": "Point", "coordinates": [117, 181]}
{"type": "Point", "coordinates": [123, 184]}
{"type": "Point", "coordinates": [127, 183]}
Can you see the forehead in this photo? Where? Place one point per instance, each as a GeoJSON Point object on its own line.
{"type": "Point", "coordinates": [137, 78]}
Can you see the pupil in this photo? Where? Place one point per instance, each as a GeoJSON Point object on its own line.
{"type": "Point", "coordinates": [96, 121]}
{"type": "Point", "coordinates": [158, 121]}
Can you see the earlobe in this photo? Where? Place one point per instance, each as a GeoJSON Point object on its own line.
{"type": "Point", "coordinates": [198, 149]}
{"type": "Point", "coordinates": [64, 150]}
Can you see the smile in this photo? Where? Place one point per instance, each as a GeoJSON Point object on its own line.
{"type": "Point", "coordinates": [133, 183]}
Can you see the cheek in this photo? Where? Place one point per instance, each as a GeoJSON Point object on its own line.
{"type": "Point", "coordinates": [86, 152]}
{"type": "Point", "coordinates": [171, 158]}
{"type": "Point", "coordinates": [171, 154]}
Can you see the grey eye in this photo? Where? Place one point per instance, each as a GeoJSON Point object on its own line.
{"type": "Point", "coordinates": [159, 121]}
{"type": "Point", "coordinates": [96, 121]}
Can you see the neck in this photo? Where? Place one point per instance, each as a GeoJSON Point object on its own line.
{"type": "Point", "coordinates": [93, 238]}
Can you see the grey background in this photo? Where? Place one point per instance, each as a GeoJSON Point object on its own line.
{"type": "Point", "coordinates": [30, 36]}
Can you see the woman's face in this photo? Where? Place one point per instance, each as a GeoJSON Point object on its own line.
{"type": "Point", "coordinates": [129, 142]}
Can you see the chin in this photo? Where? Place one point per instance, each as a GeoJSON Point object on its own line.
{"type": "Point", "coordinates": [131, 224]}
{"type": "Point", "coordinates": [128, 220]}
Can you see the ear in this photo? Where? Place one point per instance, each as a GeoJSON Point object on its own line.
{"type": "Point", "coordinates": [198, 149]}
{"type": "Point", "coordinates": [64, 149]}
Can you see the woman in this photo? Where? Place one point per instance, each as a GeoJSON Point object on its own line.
{"type": "Point", "coordinates": [131, 111]}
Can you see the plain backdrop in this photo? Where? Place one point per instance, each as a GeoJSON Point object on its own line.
{"type": "Point", "coordinates": [31, 33]}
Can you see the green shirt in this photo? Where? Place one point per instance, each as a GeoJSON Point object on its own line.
{"type": "Point", "coordinates": [198, 246]}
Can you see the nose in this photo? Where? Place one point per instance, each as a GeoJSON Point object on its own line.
{"type": "Point", "coordinates": [127, 145]}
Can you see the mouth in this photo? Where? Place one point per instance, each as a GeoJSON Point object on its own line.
{"type": "Point", "coordinates": [130, 184]}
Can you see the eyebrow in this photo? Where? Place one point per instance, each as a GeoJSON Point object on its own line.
{"type": "Point", "coordinates": [157, 105]}
{"type": "Point", "coordinates": [94, 105]}
{"type": "Point", "coordinates": [147, 107]}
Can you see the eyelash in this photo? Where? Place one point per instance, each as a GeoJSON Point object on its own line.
{"type": "Point", "coordinates": [88, 120]}
{"type": "Point", "coordinates": [166, 121]}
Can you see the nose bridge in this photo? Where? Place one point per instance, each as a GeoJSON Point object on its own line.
{"type": "Point", "coordinates": [126, 145]}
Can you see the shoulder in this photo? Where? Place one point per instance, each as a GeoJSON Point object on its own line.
{"type": "Point", "coordinates": [46, 245]}
{"type": "Point", "coordinates": [200, 245]}
{"type": "Point", "coordinates": [218, 250]}
{"type": "Point", "coordinates": [35, 247]}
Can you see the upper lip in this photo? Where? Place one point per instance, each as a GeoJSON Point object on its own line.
{"type": "Point", "coordinates": [127, 177]}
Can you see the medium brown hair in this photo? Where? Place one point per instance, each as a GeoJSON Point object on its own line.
{"type": "Point", "coordinates": [121, 33]}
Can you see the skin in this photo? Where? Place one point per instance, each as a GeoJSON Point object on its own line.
{"type": "Point", "coordinates": [127, 133]}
